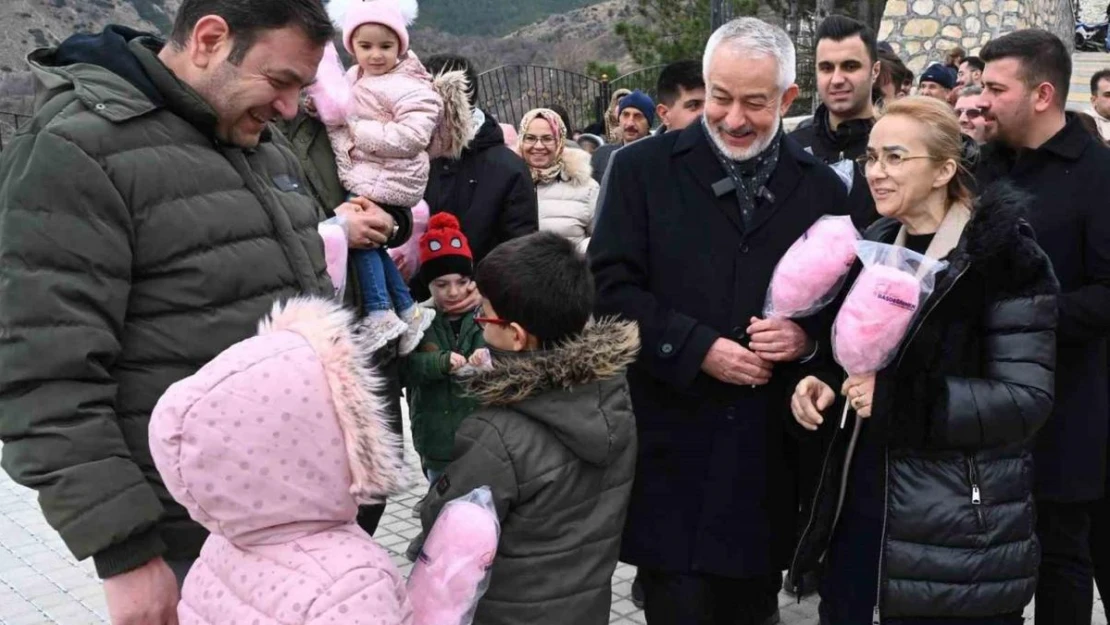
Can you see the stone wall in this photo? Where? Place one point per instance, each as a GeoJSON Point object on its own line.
{"type": "Point", "coordinates": [922, 31]}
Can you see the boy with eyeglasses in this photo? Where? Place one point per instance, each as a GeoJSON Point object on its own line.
{"type": "Point", "coordinates": [554, 439]}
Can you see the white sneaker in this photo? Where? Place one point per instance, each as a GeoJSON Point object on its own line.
{"type": "Point", "coordinates": [380, 327]}
{"type": "Point", "coordinates": [418, 319]}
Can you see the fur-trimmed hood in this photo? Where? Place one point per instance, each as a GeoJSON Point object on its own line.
{"type": "Point", "coordinates": [577, 169]}
{"type": "Point", "coordinates": [280, 433]}
{"type": "Point", "coordinates": [570, 388]}
{"type": "Point", "coordinates": [456, 127]}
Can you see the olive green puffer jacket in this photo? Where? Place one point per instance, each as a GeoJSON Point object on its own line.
{"type": "Point", "coordinates": [555, 441]}
{"type": "Point", "coordinates": [135, 248]}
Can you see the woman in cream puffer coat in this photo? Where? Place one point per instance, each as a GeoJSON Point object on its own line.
{"type": "Point", "coordinates": [565, 189]}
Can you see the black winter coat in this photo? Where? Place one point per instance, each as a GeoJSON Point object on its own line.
{"type": "Point", "coordinates": [956, 412]}
{"type": "Point", "coordinates": [1068, 179]}
{"type": "Point", "coordinates": [847, 142]}
{"type": "Point", "coordinates": [715, 478]}
{"type": "Point", "coordinates": [489, 189]}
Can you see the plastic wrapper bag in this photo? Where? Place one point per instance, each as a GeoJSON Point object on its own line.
{"type": "Point", "coordinates": [331, 93]}
{"type": "Point", "coordinates": [453, 570]}
{"type": "Point", "coordinates": [813, 270]}
{"type": "Point", "coordinates": [334, 234]}
{"type": "Point", "coordinates": [882, 304]}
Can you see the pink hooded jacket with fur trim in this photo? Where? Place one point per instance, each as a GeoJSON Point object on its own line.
{"type": "Point", "coordinates": [272, 446]}
{"type": "Point", "coordinates": [382, 152]}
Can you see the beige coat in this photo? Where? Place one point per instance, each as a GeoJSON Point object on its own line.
{"type": "Point", "coordinates": [567, 205]}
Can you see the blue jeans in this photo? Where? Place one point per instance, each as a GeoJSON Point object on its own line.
{"type": "Point", "coordinates": [383, 288]}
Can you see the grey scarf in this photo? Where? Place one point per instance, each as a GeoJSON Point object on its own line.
{"type": "Point", "coordinates": [749, 176]}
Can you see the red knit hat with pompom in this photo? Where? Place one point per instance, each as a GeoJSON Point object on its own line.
{"type": "Point", "coordinates": [444, 249]}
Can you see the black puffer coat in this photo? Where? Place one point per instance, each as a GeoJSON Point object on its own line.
{"type": "Point", "coordinates": [956, 412]}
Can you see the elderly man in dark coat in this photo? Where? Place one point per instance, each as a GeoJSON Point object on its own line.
{"type": "Point", "coordinates": [693, 225]}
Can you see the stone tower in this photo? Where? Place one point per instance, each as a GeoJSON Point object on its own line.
{"type": "Point", "coordinates": [922, 31]}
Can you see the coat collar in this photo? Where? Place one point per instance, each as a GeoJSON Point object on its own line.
{"type": "Point", "coordinates": [1070, 142]}
{"type": "Point", "coordinates": [696, 152]}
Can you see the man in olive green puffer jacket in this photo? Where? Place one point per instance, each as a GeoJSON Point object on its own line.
{"type": "Point", "coordinates": [148, 220]}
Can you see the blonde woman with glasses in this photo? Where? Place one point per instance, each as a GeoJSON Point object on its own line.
{"type": "Point", "coordinates": [925, 509]}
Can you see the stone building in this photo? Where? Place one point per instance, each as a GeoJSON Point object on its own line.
{"type": "Point", "coordinates": [922, 31]}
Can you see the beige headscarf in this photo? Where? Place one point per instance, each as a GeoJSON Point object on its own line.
{"type": "Point", "coordinates": [551, 173]}
{"type": "Point", "coordinates": [613, 133]}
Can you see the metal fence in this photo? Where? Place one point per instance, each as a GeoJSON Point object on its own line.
{"type": "Point", "coordinates": [9, 122]}
{"type": "Point", "coordinates": [510, 91]}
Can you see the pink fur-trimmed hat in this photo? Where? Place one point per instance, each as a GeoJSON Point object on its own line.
{"type": "Point", "coordinates": [396, 15]}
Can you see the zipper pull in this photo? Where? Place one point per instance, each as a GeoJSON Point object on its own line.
{"type": "Point", "coordinates": [875, 617]}
{"type": "Point", "coordinates": [975, 499]}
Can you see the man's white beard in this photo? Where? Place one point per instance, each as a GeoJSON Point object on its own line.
{"type": "Point", "coordinates": [744, 154]}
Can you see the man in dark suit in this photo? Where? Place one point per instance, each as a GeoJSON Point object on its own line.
{"type": "Point", "coordinates": [692, 226]}
{"type": "Point", "coordinates": [1047, 152]}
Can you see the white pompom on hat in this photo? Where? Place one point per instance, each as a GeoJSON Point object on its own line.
{"type": "Point", "coordinates": [396, 15]}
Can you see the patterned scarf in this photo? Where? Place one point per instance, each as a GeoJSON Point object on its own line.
{"type": "Point", "coordinates": [749, 176]}
{"type": "Point", "coordinates": [551, 173]}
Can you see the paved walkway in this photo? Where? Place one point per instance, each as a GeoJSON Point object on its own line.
{"type": "Point", "coordinates": [40, 583]}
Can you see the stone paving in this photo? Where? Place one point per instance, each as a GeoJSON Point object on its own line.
{"type": "Point", "coordinates": [41, 583]}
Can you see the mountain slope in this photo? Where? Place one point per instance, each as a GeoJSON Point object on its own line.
{"type": "Point", "coordinates": [30, 24]}
{"type": "Point", "coordinates": [489, 17]}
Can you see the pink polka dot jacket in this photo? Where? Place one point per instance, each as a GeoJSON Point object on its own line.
{"type": "Point", "coordinates": [271, 447]}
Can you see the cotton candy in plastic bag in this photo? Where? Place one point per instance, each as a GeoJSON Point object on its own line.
{"type": "Point", "coordinates": [331, 93]}
{"type": "Point", "coordinates": [882, 304]}
{"type": "Point", "coordinates": [334, 234]}
{"type": "Point", "coordinates": [813, 270]}
{"type": "Point", "coordinates": [453, 570]}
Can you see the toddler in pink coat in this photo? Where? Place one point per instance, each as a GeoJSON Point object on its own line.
{"type": "Point", "coordinates": [271, 447]}
{"type": "Point", "coordinates": [383, 124]}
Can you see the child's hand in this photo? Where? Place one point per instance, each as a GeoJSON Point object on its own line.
{"type": "Point", "coordinates": [458, 361]}
{"type": "Point", "coordinates": [479, 358]}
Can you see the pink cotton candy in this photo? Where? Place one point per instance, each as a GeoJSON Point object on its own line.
{"type": "Point", "coordinates": [812, 271]}
{"type": "Point", "coordinates": [410, 251]}
{"type": "Point", "coordinates": [335, 254]}
{"type": "Point", "coordinates": [874, 318]}
{"type": "Point", "coordinates": [451, 575]}
{"type": "Point", "coordinates": [331, 93]}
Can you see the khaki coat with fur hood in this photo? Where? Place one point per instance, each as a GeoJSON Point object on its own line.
{"type": "Point", "coordinates": [567, 205]}
{"type": "Point", "coordinates": [556, 443]}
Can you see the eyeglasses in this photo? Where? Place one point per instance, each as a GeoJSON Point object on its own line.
{"type": "Point", "coordinates": [972, 113]}
{"type": "Point", "coordinates": [548, 141]}
{"type": "Point", "coordinates": [483, 321]}
{"type": "Point", "coordinates": [889, 161]}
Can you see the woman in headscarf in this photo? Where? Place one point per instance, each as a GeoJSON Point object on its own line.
{"type": "Point", "coordinates": [565, 189]}
{"type": "Point", "coordinates": [613, 132]}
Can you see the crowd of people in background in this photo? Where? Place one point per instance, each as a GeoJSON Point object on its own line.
{"type": "Point", "coordinates": [578, 325]}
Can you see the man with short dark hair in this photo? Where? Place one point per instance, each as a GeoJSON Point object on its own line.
{"type": "Point", "coordinates": [1045, 150]}
{"type": "Point", "coordinates": [970, 73]}
{"type": "Point", "coordinates": [149, 217]}
{"type": "Point", "coordinates": [847, 62]}
{"type": "Point", "coordinates": [1100, 102]}
{"type": "Point", "coordinates": [680, 92]}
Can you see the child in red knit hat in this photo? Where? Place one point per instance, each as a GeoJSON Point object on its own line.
{"type": "Point", "coordinates": [451, 347]}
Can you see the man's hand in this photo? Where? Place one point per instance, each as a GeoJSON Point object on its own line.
{"type": "Point", "coordinates": [368, 226]}
{"type": "Point", "coordinates": [860, 391]}
{"type": "Point", "coordinates": [143, 596]}
{"type": "Point", "coordinates": [810, 399]}
{"type": "Point", "coordinates": [778, 340]}
{"type": "Point", "coordinates": [467, 304]}
{"type": "Point", "coordinates": [732, 363]}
